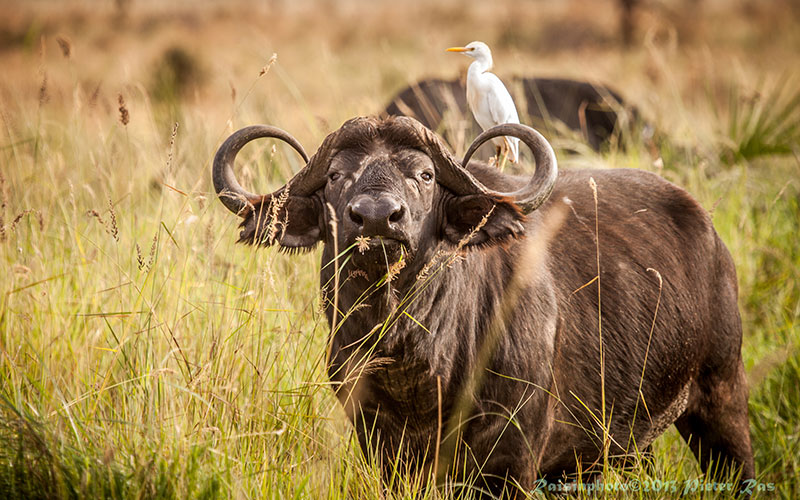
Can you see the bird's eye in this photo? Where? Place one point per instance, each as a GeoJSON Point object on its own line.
{"type": "Point", "coordinates": [334, 176]}
{"type": "Point", "coordinates": [426, 176]}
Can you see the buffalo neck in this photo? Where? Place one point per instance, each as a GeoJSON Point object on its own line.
{"type": "Point", "coordinates": [431, 316]}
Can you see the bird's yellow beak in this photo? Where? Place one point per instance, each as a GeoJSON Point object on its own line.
{"type": "Point", "coordinates": [458, 49]}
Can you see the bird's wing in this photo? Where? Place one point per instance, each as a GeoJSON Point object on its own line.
{"type": "Point", "coordinates": [501, 105]}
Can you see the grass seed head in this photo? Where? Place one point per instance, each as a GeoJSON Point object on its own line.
{"type": "Point", "coordinates": [2, 207]}
{"type": "Point", "coordinates": [124, 115]}
{"type": "Point", "coordinates": [269, 64]}
{"type": "Point", "coordinates": [30, 211]}
{"type": "Point", "coordinates": [139, 258]}
{"type": "Point", "coordinates": [152, 256]}
{"type": "Point", "coordinates": [362, 243]}
{"type": "Point", "coordinates": [394, 270]}
{"type": "Point", "coordinates": [172, 145]}
{"type": "Point", "coordinates": [44, 96]}
{"type": "Point", "coordinates": [96, 215]}
{"type": "Point", "coordinates": [65, 46]}
{"type": "Point", "coordinates": [113, 229]}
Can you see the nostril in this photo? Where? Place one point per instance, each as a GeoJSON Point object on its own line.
{"type": "Point", "coordinates": [355, 217]}
{"type": "Point", "coordinates": [397, 215]}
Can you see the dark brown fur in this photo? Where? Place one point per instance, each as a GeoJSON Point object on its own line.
{"type": "Point", "coordinates": [534, 409]}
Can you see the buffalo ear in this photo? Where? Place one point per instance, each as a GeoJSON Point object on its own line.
{"type": "Point", "coordinates": [294, 223]}
{"type": "Point", "coordinates": [482, 219]}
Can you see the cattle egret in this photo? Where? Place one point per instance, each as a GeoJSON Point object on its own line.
{"type": "Point", "coordinates": [488, 98]}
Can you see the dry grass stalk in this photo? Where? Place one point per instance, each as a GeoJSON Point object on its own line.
{"type": "Point", "coordinates": [394, 270]}
{"type": "Point", "coordinates": [426, 270]}
{"type": "Point", "coordinates": [2, 207]}
{"type": "Point", "coordinates": [152, 255]}
{"type": "Point", "coordinates": [269, 64]}
{"type": "Point", "coordinates": [455, 255]}
{"type": "Point", "coordinates": [44, 96]}
{"type": "Point", "coordinates": [171, 146]}
{"type": "Point", "coordinates": [466, 239]}
{"type": "Point", "coordinates": [323, 301]}
{"type": "Point", "coordinates": [124, 116]}
{"type": "Point", "coordinates": [114, 231]}
{"type": "Point", "coordinates": [233, 91]}
{"type": "Point", "coordinates": [367, 366]}
{"type": "Point", "coordinates": [605, 417]}
{"type": "Point", "coordinates": [111, 225]}
{"type": "Point", "coordinates": [96, 215]}
{"type": "Point", "coordinates": [335, 231]}
{"type": "Point", "coordinates": [647, 352]}
{"type": "Point", "coordinates": [65, 46]}
{"type": "Point", "coordinates": [30, 211]}
{"type": "Point", "coordinates": [357, 273]}
{"type": "Point", "coordinates": [139, 258]}
{"type": "Point", "coordinates": [276, 204]}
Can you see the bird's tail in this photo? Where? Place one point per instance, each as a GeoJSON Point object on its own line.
{"type": "Point", "coordinates": [512, 143]}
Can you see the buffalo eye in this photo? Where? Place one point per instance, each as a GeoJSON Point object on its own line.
{"type": "Point", "coordinates": [426, 176]}
{"type": "Point", "coordinates": [334, 176]}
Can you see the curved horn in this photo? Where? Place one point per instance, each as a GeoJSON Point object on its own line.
{"type": "Point", "coordinates": [538, 189]}
{"type": "Point", "coordinates": [230, 192]}
{"type": "Point", "coordinates": [458, 179]}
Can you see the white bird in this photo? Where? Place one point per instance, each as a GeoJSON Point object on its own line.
{"type": "Point", "coordinates": [488, 98]}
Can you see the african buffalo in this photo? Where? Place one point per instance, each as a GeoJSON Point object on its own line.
{"type": "Point", "coordinates": [595, 112]}
{"type": "Point", "coordinates": [470, 327]}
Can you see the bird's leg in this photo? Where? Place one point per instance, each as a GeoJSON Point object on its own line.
{"type": "Point", "coordinates": [494, 161]}
{"type": "Point", "coordinates": [503, 159]}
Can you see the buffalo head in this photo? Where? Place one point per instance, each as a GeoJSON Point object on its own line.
{"type": "Point", "coordinates": [389, 189]}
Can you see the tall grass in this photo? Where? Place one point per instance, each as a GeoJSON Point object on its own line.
{"type": "Point", "coordinates": [763, 123]}
{"type": "Point", "coordinates": [145, 355]}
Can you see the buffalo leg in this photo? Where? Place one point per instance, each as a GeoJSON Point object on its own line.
{"type": "Point", "coordinates": [716, 425]}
